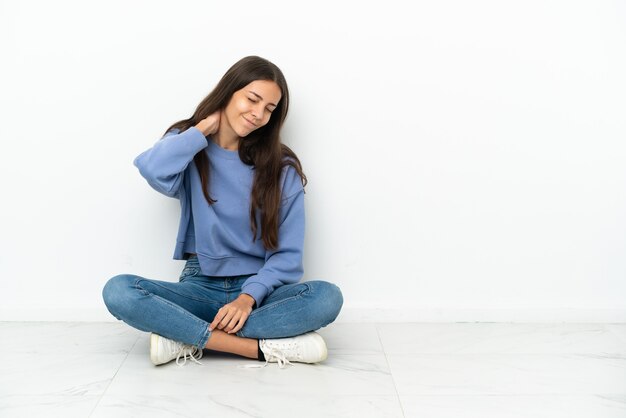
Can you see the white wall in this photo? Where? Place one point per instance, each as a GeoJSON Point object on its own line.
{"type": "Point", "coordinates": [466, 160]}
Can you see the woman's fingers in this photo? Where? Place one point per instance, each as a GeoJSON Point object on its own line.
{"type": "Point", "coordinates": [230, 313]}
{"type": "Point", "coordinates": [230, 318]}
{"type": "Point", "coordinates": [240, 325]}
{"type": "Point", "coordinates": [232, 323]}
{"type": "Point", "coordinates": [219, 318]}
{"type": "Point", "coordinates": [216, 320]}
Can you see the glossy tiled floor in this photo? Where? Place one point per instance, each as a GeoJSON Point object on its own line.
{"type": "Point", "coordinates": [77, 369]}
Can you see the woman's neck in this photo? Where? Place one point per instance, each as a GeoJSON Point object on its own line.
{"type": "Point", "coordinates": [226, 138]}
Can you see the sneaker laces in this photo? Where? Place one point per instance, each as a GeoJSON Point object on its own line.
{"type": "Point", "coordinates": [274, 353]}
{"type": "Point", "coordinates": [279, 355]}
{"type": "Point", "coordinates": [188, 351]}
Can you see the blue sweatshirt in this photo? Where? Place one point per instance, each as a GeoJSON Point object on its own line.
{"type": "Point", "coordinates": [220, 233]}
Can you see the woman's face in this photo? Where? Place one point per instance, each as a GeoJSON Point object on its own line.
{"type": "Point", "coordinates": [251, 107]}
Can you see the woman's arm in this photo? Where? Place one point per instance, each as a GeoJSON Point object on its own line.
{"type": "Point", "coordinates": [283, 265]}
{"type": "Point", "coordinates": [163, 164]}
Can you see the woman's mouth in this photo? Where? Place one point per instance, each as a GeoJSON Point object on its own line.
{"type": "Point", "coordinates": [250, 124]}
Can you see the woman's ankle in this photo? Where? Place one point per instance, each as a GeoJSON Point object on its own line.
{"type": "Point", "coordinates": [230, 343]}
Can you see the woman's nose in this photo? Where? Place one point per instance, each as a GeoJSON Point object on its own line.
{"type": "Point", "coordinates": [257, 113]}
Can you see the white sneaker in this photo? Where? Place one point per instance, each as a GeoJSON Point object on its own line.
{"type": "Point", "coordinates": [164, 350]}
{"type": "Point", "coordinates": [305, 348]}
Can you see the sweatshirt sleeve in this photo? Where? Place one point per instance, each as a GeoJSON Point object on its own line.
{"type": "Point", "coordinates": [283, 265]}
{"type": "Point", "coordinates": [163, 165]}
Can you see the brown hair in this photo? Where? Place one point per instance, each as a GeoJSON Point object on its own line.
{"type": "Point", "coordinates": [261, 149]}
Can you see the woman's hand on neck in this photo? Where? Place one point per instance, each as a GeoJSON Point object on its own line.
{"type": "Point", "coordinates": [211, 124]}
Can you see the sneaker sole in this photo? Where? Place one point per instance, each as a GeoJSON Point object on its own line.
{"type": "Point", "coordinates": [154, 349]}
{"type": "Point", "coordinates": [322, 349]}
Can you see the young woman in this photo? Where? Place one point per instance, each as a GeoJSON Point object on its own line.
{"type": "Point", "coordinates": [241, 231]}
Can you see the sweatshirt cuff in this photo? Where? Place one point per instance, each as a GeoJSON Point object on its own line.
{"type": "Point", "coordinates": [256, 290]}
{"type": "Point", "coordinates": [193, 131]}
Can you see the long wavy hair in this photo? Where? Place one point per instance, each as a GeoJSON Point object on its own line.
{"type": "Point", "coordinates": [261, 149]}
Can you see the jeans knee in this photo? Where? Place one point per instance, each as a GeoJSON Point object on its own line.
{"type": "Point", "coordinates": [114, 293]}
{"type": "Point", "coordinates": [332, 299]}
{"type": "Point", "coordinates": [337, 298]}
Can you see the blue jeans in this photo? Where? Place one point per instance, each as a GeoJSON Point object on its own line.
{"type": "Point", "coordinates": [183, 311]}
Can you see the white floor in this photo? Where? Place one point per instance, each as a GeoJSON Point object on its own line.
{"type": "Point", "coordinates": [78, 369]}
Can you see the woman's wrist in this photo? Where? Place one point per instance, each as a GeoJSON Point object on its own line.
{"type": "Point", "coordinates": [202, 128]}
{"type": "Point", "coordinates": [248, 299]}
